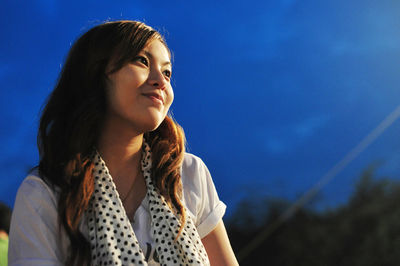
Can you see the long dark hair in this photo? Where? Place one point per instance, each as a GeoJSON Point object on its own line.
{"type": "Point", "coordinates": [74, 115]}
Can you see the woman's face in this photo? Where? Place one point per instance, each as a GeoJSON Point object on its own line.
{"type": "Point", "coordinates": [140, 93]}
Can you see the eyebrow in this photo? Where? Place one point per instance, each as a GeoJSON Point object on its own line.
{"type": "Point", "coordinates": [152, 57]}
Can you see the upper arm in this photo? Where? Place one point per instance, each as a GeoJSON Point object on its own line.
{"type": "Point", "coordinates": [218, 247]}
{"type": "Point", "coordinates": [202, 200]}
{"type": "Point", "coordinates": [34, 235]}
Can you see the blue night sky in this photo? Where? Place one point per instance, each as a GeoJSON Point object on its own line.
{"type": "Point", "coordinates": [271, 94]}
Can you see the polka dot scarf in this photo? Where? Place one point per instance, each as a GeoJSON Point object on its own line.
{"type": "Point", "coordinates": [112, 239]}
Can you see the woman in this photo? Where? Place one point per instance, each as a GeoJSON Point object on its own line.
{"type": "Point", "coordinates": [114, 185]}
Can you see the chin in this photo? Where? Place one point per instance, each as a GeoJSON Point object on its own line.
{"type": "Point", "coordinates": [150, 121]}
{"type": "Point", "coordinates": [153, 125]}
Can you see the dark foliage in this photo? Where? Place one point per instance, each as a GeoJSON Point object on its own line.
{"type": "Point", "coordinates": [365, 231]}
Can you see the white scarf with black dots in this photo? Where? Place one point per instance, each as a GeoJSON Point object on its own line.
{"type": "Point", "coordinates": [112, 239]}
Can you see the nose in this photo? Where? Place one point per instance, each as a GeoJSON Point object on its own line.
{"type": "Point", "coordinates": [157, 79]}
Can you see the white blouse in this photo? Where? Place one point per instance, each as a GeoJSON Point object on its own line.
{"type": "Point", "coordinates": [34, 233]}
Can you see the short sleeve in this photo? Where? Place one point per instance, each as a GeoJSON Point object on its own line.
{"type": "Point", "coordinates": [34, 235]}
{"type": "Point", "coordinates": [200, 196]}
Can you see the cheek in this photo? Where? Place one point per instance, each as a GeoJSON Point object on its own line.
{"type": "Point", "coordinates": [170, 96]}
{"type": "Point", "coordinates": [113, 98]}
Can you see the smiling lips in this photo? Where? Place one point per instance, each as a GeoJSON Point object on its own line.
{"type": "Point", "coordinates": [155, 97]}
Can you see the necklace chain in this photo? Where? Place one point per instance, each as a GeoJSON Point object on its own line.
{"type": "Point", "coordinates": [131, 188]}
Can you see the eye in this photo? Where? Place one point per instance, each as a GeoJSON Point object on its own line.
{"type": "Point", "coordinates": [142, 60]}
{"type": "Point", "coordinates": [167, 73]}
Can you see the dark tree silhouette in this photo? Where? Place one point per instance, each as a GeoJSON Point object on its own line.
{"type": "Point", "coordinates": [363, 232]}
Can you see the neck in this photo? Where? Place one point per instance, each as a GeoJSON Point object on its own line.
{"type": "Point", "coordinates": [120, 148]}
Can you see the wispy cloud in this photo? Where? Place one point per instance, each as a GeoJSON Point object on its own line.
{"type": "Point", "coordinates": [285, 137]}
{"type": "Point", "coordinates": [309, 126]}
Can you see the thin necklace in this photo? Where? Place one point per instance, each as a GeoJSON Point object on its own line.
{"type": "Point", "coordinates": [131, 188]}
